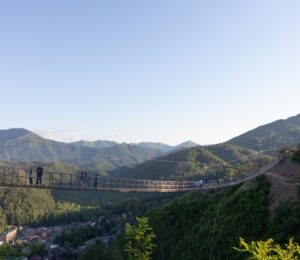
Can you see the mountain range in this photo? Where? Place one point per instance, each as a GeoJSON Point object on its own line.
{"type": "Point", "coordinates": [19, 144]}
{"type": "Point", "coordinates": [22, 145]}
{"type": "Point", "coordinates": [136, 160]}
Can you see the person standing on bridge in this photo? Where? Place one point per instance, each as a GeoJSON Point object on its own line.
{"type": "Point", "coordinates": [96, 181]}
{"type": "Point", "coordinates": [39, 175]}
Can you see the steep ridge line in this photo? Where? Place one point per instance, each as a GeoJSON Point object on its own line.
{"type": "Point", "coordinates": [18, 177]}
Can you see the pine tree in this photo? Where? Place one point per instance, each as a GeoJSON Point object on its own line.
{"type": "Point", "coordinates": [139, 240]}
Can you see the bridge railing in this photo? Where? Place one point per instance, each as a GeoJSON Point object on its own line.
{"type": "Point", "coordinates": [19, 177]}
{"type": "Point", "coordinates": [13, 176]}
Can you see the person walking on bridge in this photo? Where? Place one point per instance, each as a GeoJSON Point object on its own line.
{"type": "Point", "coordinates": [39, 175]}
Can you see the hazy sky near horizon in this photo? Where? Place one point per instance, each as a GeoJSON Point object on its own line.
{"type": "Point", "coordinates": [166, 71]}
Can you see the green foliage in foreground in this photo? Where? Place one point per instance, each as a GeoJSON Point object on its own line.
{"type": "Point", "coordinates": [139, 240]}
{"type": "Point", "coordinates": [136, 244]}
{"type": "Point", "coordinates": [267, 250]}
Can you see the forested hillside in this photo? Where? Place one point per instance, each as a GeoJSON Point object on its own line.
{"type": "Point", "coordinates": [195, 162]}
{"type": "Point", "coordinates": [38, 207]}
{"type": "Point", "coordinates": [197, 225]}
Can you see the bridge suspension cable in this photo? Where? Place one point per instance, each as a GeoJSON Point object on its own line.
{"type": "Point", "coordinates": [18, 177]}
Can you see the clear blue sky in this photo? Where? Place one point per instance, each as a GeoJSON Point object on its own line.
{"type": "Point", "coordinates": [133, 71]}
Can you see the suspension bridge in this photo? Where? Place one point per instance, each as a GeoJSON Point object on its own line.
{"type": "Point", "coordinates": [18, 177]}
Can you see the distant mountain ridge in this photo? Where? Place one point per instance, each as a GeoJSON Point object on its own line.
{"type": "Point", "coordinates": [22, 145]}
{"type": "Point", "coordinates": [17, 145]}
{"type": "Point", "coordinates": [152, 145]}
{"type": "Point", "coordinates": [270, 136]}
{"type": "Point", "coordinates": [167, 148]}
{"type": "Point", "coordinates": [185, 145]}
{"type": "Point", "coordinates": [99, 144]}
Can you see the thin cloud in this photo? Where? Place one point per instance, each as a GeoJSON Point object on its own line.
{"type": "Point", "coordinates": [61, 135]}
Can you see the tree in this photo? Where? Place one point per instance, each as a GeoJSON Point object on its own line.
{"type": "Point", "coordinates": [139, 240]}
{"type": "Point", "coordinates": [267, 250]}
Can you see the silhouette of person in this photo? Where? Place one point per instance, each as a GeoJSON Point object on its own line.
{"type": "Point", "coordinates": [96, 182]}
{"type": "Point", "coordinates": [39, 175]}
